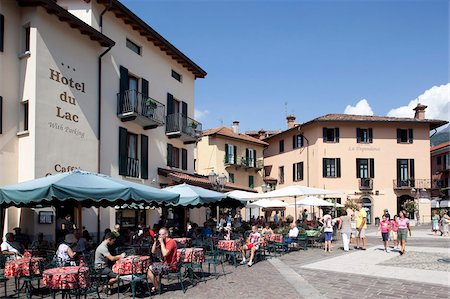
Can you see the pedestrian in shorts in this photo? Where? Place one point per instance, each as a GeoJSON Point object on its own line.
{"type": "Point", "coordinates": [384, 228]}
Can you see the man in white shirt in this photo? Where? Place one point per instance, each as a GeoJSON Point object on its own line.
{"type": "Point", "coordinates": [293, 233]}
{"type": "Point", "coordinates": [9, 247]}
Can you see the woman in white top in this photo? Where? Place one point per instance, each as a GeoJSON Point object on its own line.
{"type": "Point", "coordinates": [327, 222]}
{"type": "Point", "coordinates": [65, 252]}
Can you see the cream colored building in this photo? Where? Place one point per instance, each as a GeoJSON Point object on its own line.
{"type": "Point", "coordinates": [89, 85]}
{"type": "Point", "coordinates": [379, 161]}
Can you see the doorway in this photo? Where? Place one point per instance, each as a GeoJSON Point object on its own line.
{"type": "Point", "coordinates": [366, 203]}
{"type": "Point", "coordinates": [400, 201]}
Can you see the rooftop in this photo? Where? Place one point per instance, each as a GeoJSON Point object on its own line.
{"type": "Point", "coordinates": [227, 132]}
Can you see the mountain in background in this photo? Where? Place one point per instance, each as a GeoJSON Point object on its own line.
{"type": "Point", "coordinates": [441, 136]}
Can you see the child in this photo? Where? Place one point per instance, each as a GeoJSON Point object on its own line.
{"type": "Point", "coordinates": [384, 227]}
{"type": "Point", "coordinates": [394, 230]}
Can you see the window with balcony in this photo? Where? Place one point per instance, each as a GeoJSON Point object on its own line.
{"type": "Point", "coordinates": [331, 167]}
{"type": "Point", "coordinates": [297, 171]}
{"type": "Point", "coordinates": [251, 181]}
{"type": "Point", "coordinates": [134, 47]}
{"type": "Point", "coordinates": [405, 173]}
{"type": "Point", "coordinates": [281, 146]}
{"type": "Point", "coordinates": [281, 174]}
{"type": "Point", "coordinates": [365, 172]}
{"type": "Point", "coordinates": [330, 135]}
{"type": "Point", "coordinates": [250, 157]}
{"type": "Point", "coordinates": [230, 154]}
{"type": "Point", "coordinates": [297, 141]}
{"type": "Point", "coordinates": [405, 135]}
{"type": "Point", "coordinates": [131, 148]}
{"type": "Point", "coordinates": [364, 135]}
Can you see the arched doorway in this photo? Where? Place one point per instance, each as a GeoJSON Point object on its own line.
{"type": "Point", "coordinates": [401, 200]}
{"type": "Point", "coordinates": [366, 203]}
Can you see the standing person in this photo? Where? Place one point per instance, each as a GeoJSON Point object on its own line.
{"type": "Point", "coordinates": [361, 226]}
{"type": "Point", "coordinates": [386, 213]}
{"type": "Point", "coordinates": [103, 257]}
{"type": "Point", "coordinates": [275, 217]}
{"type": "Point", "coordinates": [394, 231]}
{"type": "Point", "coordinates": [345, 226]}
{"type": "Point", "coordinates": [252, 244]}
{"type": "Point", "coordinates": [304, 215]}
{"type": "Point", "coordinates": [67, 226]}
{"type": "Point", "coordinates": [435, 222]}
{"type": "Point", "coordinates": [403, 228]}
{"type": "Point", "coordinates": [384, 227]}
{"type": "Point", "coordinates": [445, 219]}
{"type": "Point", "coordinates": [327, 222]}
{"type": "Point", "coordinates": [168, 249]}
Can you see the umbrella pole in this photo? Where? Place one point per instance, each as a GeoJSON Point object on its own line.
{"type": "Point", "coordinates": [98, 225]}
{"type": "Point", "coordinates": [295, 202]}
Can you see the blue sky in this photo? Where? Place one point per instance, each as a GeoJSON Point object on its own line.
{"type": "Point", "coordinates": [316, 56]}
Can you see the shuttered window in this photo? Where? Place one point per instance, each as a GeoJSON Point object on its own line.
{"type": "Point", "coordinates": [364, 135]}
{"type": "Point", "coordinates": [330, 135]}
{"type": "Point", "coordinates": [231, 177]}
{"type": "Point", "coordinates": [405, 135]}
{"type": "Point", "coordinates": [144, 157]}
{"type": "Point", "coordinates": [251, 181]}
{"type": "Point", "coordinates": [281, 174]}
{"type": "Point", "coordinates": [281, 146]}
{"type": "Point", "coordinates": [297, 171]}
{"type": "Point", "coordinates": [331, 167]}
{"type": "Point", "coordinates": [2, 32]}
{"type": "Point", "coordinates": [297, 141]}
{"type": "Point", "coordinates": [184, 161]}
{"type": "Point", "coordinates": [173, 156]}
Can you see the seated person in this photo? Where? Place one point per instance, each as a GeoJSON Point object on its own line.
{"type": "Point", "coordinates": [292, 235]}
{"type": "Point", "coordinates": [40, 244]}
{"type": "Point", "coordinates": [266, 231]}
{"type": "Point", "coordinates": [168, 249]}
{"type": "Point", "coordinates": [103, 257]}
{"type": "Point", "coordinates": [206, 230]}
{"type": "Point", "coordinates": [10, 248]}
{"type": "Point", "coordinates": [82, 244]}
{"type": "Point", "coordinates": [65, 253]}
{"type": "Point", "coordinates": [21, 238]}
{"type": "Point", "coordinates": [252, 244]}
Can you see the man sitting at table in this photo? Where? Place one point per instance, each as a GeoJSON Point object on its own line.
{"type": "Point", "coordinates": [253, 241]}
{"type": "Point", "coordinates": [9, 247]}
{"type": "Point", "coordinates": [103, 257]}
{"type": "Point", "coordinates": [293, 234]}
{"type": "Point", "coordinates": [168, 249]}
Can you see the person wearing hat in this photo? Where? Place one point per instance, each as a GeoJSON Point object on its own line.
{"type": "Point", "coordinates": [65, 252]}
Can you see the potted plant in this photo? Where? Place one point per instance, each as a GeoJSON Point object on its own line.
{"type": "Point", "coordinates": [411, 208]}
{"type": "Point", "coordinates": [194, 125]}
{"type": "Point", "coordinates": [150, 103]}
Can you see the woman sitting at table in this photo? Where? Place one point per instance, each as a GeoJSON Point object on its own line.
{"type": "Point", "coordinates": [64, 253]}
{"type": "Point", "coordinates": [266, 231]}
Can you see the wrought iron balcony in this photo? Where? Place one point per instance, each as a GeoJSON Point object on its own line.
{"type": "Point", "coordinates": [413, 183]}
{"type": "Point", "coordinates": [244, 162]}
{"type": "Point", "coordinates": [183, 127]}
{"type": "Point", "coordinates": [133, 167]}
{"type": "Point", "coordinates": [145, 111]}
{"type": "Point", "coordinates": [365, 184]}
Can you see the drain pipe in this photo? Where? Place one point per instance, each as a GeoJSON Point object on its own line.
{"type": "Point", "coordinates": [307, 156]}
{"type": "Point", "coordinates": [99, 116]}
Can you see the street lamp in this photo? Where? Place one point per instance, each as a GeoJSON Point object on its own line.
{"type": "Point", "coordinates": [217, 182]}
{"type": "Point", "coordinates": [265, 188]}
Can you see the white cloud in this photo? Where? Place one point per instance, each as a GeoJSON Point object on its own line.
{"type": "Point", "coordinates": [199, 114]}
{"type": "Point", "coordinates": [437, 98]}
{"type": "Point", "coordinates": [361, 108]}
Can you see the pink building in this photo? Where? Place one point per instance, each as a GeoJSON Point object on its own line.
{"type": "Point", "coordinates": [376, 160]}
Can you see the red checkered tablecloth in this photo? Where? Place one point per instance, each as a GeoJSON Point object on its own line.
{"type": "Point", "coordinates": [194, 255]}
{"type": "Point", "coordinates": [276, 238]}
{"type": "Point", "coordinates": [132, 264]}
{"type": "Point", "coordinates": [64, 278]}
{"type": "Point", "coordinates": [182, 241]}
{"type": "Point", "coordinates": [229, 245]}
{"type": "Point", "coordinates": [21, 267]}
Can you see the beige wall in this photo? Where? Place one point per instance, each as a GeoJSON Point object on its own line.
{"type": "Point", "coordinates": [384, 150]}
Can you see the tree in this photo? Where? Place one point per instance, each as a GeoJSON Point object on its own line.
{"type": "Point", "coordinates": [411, 207]}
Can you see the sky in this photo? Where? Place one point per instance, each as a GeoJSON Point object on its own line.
{"type": "Point", "coordinates": [266, 59]}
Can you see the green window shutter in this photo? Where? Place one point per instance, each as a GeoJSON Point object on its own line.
{"type": "Point", "coordinates": [251, 183]}
{"type": "Point", "coordinates": [235, 154]}
{"type": "Point", "coordinates": [123, 151]}
{"type": "Point", "coordinates": [358, 135]}
{"type": "Point", "coordinates": [324, 134]}
{"type": "Point", "coordinates": [370, 135]}
{"type": "Point", "coordinates": [2, 32]}
{"type": "Point", "coordinates": [169, 104]}
{"type": "Point", "coordinates": [184, 161]}
{"type": "Point", "coordinates": [169, 154]}
{"type": "Point", "coordinates": [226, 153]}
{"type": "Point", "coordinates": [372, 168]}
{"type": "Point", "coordinates": [123, 87]}
{"type": "Point", "coordinates": [144, 90]}
{"type": "Point", "coordinates": [338, 167]}
{"type": "Point", "coordinates": [144, 157]}
{"type": "Point", "coordinates": [294, 178]}
{"type": "Point", "coordinates": [358, 166]}
{"type": "Point", "coordinates": [324, 167]}
{"type": "Point", "coordinates": [410, 135]}
{"type": "Point", "coordinates": [336, 134]}
{"type": "Point", "coordinates": [294, 141]}
{"type": "Point", "coordinates": [399, 135]}
{"type": "Point", "coordinates": [301, 171]}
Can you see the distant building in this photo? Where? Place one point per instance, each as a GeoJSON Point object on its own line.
{"type": "Point", "coordinates": [440, 169]}
{"type": "Point", "coordinates": [378, 161]}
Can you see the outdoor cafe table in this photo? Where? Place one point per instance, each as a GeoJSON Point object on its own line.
{"type": "Point", "coordinates": [229, 245]}
{"type": "Point", "coordinates": [191, 255]}
{"type": "Point", "coordinates": [132, 264]}
{"type": "Point", "coordinates": [66, 278]}
{"type": "Point", "coordinates": [21, 267]}
{"type": "Point", "coordinates": [182, 241]}
{"type": "Point", "coordinates": [278, 238]}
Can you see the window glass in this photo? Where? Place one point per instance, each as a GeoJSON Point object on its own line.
{"type": "Point", "coordinates": [133, 47]}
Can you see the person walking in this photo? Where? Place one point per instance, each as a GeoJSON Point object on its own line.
{"type": "Point", "coordinates": [403, 229]}
{"type": "Point", "coordinates": [345, 226]}
{"type": "Point", "coordinates": [435, 222]}
{"type": "Point", "coordinates": [327, 222]}
{"type": "Point", "coordinates": [361, 226]}
{"type": "Point", "coordinates": [384, 227]}
{"type": "Point", "coordinates": [394, 231]}
{"type": "Point", "coordinates": [445, 219]}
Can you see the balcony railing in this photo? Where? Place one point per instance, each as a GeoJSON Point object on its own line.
{"type": "Point", "coordinates": [365, 184]}
{"type": "Point", "coordinates": [413, 183]}
{"type": "Point", "coordinates": [134, 106]}
{"type": "Point", "coordinates": [133, 167]}
{"type": "Point", "coordinates": [183, 127]}
{"type": "Point", "coordinates": [244, 162]}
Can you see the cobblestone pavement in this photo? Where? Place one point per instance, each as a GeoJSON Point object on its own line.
{"type": "Point", "coordinates": [421, 260]}
{"type": "Point", "coordinates": [264, 280]}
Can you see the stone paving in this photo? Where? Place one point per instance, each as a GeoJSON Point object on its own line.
{"type": "Point", "coordinates": [421, 260]}
{"type": "Point", "coordinates": [286, 276]}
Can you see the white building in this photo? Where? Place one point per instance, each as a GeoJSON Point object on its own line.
{"type": "Point", "coordinates": [87, 84]}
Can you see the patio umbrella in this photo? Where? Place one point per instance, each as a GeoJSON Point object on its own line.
{"type": "Point", "coordinates": [193, 196]}
{"type": "Point", "coordinates": [296, 191]}
{"type": "Point", "coordinates": [267, 203]}
{"type": "Point", "coordinates": [90, 189]}
{"type": "Point", "coordinates": [316, 202]}
{"type": "Point", "coordinates": [243, 195]}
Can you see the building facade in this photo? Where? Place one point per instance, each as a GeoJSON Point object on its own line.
{"type": "Point", "coordinates": [88, 85]}
{"type": "Point", "coordinates": [440, 169]}
{"type": "Point", "coordinates": [378, 161]}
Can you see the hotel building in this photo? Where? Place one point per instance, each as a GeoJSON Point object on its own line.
{"type": "Point", "coordinates": [89, 85]}
{"type": "Point", "coordinates": [378, 161]}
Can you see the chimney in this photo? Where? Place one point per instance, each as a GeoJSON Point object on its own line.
{"type": "Point", "coordinates": [290, 121]}
{"type": "Point", "coordinates": [420, 111]}
{"type": "Point", "coordinates": [261, 134]}
{"type": "Point", "coordinates": [235, 127]}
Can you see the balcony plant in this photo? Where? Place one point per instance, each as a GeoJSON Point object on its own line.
{"type": "Point", "coordinates": [151, 103]}
{"type": "Point", "coordinates": [194, 125]}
